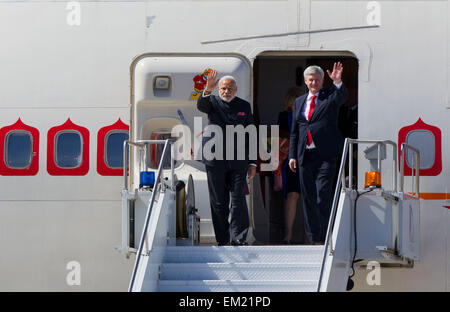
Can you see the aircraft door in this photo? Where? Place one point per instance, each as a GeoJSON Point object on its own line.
{"type": "Point", "coordinates": [164, 93]}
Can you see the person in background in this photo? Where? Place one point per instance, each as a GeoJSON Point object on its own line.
{"type": "Point", "coordinates": [290, 180]}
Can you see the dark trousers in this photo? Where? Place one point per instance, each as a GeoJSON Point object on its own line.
{"type": "Point", "coordinates": [226, 182]}
{"type": "Point", "coordinates": [316, 185]}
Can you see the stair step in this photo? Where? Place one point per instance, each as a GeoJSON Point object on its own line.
{"type": "Point", "coordinates": [240, 271]}
{"type": "Point", "coordinates": [236, 286]}
{"type": "Point", "coordinates": [244, 254]}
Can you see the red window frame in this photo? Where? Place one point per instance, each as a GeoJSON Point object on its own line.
{"type": "Point", "coordinates": [436, 169]}
{"type": "Point", "coordinates": [52, 167]}
{"type": "Point", "coordinates": [102, 167]}
{"type": "Point", "coordinates": [33, 168]}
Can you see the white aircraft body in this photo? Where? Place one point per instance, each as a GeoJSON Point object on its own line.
{"type": "Point", "coordinates": [75, 73]}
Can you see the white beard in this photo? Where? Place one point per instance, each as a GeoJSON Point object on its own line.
{"type": "Point", "coordinates": [228, 101]}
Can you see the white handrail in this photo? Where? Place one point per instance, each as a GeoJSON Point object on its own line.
{"type": "Point", "coordinates": [126, 146]}
{"type": "Point", "coordinates": [404, 147]}
{"type": "Point", "coordinates": [333, 212]}
{"type": "Point", "coordinates": [379, 143]}
{"type": "Point", "coordinates": [150, 206]}
{"type": "Point", "coordinates": [348, 146]}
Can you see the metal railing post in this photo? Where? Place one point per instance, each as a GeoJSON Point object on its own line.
{"type": "Point", "coordinates": [394, 168]}
{"type": "Point", "coordinates": [350, 166]}
{"type": "Point", "coordinates": [152, 200]}
{"type": "Point", "coordinates": [415, 171]}
{"type": "Point", "coordinates": [125, 164]}
{"type": "Point", "coordinates": [348, 147]}
{"type": "Point", "coordinates": [328, 239]}
{"type": "Point", "coordinates": [379, 159]}
{"type": "Point", "coordinates": [172, 166]}
{"type": "Point", "coordinates": [402, 168]}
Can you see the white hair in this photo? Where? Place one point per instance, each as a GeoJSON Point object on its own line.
{"type": "Point", "coordinates": [228, 77]}
{"type": "Point", "coordinates": [314, 69]}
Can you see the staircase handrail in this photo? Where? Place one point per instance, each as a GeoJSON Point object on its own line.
{"type": "Point", "coordinates": [403, 148]}
{"type": "Point", "coordinates": [348, 149]}
{"type": "Point", "coordinates": [152, 200]}
{"type": "Point", "coordinates": [139, 143]}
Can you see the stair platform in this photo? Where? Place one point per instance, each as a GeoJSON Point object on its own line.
{"type": "Point", "coordinates": [240, 268]}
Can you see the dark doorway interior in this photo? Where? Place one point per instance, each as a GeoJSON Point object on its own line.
{"type": "Point", "coordinates": [274, 74]}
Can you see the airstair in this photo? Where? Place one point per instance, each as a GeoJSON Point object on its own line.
{"type": "Point", "coordinates": [240, 268]}
{"type": "Point", "coordinates": [371, 224]}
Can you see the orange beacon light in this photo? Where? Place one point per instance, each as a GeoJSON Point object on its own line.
{"type": "Point", "coordinates": [373, 179]}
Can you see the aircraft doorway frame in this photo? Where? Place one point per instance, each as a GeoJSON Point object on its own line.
{"type": "Point", "coordinates": [274, 72]}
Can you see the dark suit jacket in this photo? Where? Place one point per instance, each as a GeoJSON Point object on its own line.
{"type": "Point", "coordinates": [323, 124]}
{"type": "Point", "coordinates": [220, 113]}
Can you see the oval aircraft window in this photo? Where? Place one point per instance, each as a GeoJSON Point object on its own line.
{"type": "Point", "coordinates": [19, 147]}
{"type": "Point", "coordinates": [19, 144]}
{"type": "Point", "coordinates": [428, 140]}
{"type": "Point", "coordinates": [69, 152]}
{"type": "Point", "coordinates": [110, 140]}
{"type": "Point", "coordinates": [114, 148]}
{"type": "Point", "coordinates": [424, 141]}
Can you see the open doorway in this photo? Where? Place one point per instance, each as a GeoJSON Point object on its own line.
{"type": "Point", "coordinates": [274, 74]}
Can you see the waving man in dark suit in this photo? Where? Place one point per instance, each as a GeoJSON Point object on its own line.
{"type": "Point", "coordinates": [226, 177]}
{"type": "Point", "coordinates": [315, 144]}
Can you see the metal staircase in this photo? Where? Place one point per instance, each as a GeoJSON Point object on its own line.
{"type": "Point", "coordinates": [240, 269]}
{"type": "Point", "coordinates": [393, 238]}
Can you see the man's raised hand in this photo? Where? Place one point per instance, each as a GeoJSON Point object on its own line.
{"type": "Point", "coordinates": [336, 75]}
{"type": "Point", "coordinates": [211, 81]}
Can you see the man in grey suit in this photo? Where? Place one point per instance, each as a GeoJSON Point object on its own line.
{"type": "Point", "coordinates": [315, 144]}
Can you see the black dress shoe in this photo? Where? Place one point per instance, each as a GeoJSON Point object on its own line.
{"type": "Point", "coordinates": [286, 242]}
{"type": "Point", "coordinates": [223, 244]}
{"type": "Point", "coordinates": [239, 242]}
